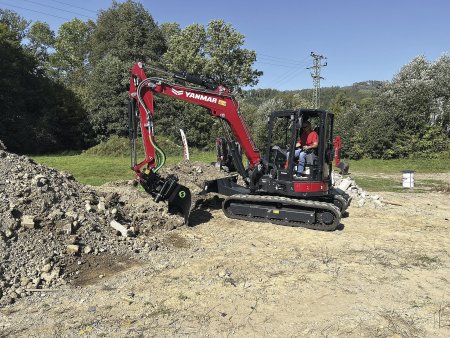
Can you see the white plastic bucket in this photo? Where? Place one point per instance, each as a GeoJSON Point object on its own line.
{"type": "Point", "coordinates": [408, 178]}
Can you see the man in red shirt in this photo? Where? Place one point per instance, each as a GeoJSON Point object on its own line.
{"type": "Point", "coordinates": [307, 143]}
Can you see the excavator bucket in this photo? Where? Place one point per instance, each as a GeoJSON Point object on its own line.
{"type": "Point", "coordinates": [180, 202]}
{"type": "Point", "coordinates": [168, 189]}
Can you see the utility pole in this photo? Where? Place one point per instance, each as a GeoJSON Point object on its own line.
{"type": "Point", "coordinates": [315, 74]}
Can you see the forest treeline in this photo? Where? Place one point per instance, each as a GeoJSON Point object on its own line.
{"type": "Point", "coordinates": [68, 90]}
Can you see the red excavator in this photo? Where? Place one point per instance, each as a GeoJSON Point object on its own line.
{"type": "Point", "coordinates": [271, 192]}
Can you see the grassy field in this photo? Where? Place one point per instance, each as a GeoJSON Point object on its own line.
{"type": "Point", "coordinates": [386, 175]}
{"type": "Point", "coordinates": [97, 170]}
{"type": "Point", "coordinates": [371, 175]}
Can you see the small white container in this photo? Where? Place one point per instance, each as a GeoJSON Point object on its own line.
{"type": "Point", "coordinates": [408, 178]}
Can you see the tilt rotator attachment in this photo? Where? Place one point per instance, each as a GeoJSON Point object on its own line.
{"type": "Point", "coordinates": [167, 189]}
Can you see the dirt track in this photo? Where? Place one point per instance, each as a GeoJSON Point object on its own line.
{"type": "Point", "coordinates": [385, 273]}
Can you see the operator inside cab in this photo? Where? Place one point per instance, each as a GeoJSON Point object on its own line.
{"type": "Point", "coordinates": [306, 145]}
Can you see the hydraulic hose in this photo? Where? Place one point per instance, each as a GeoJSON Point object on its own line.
{"type": "Point", "coordinates": [160, 156]}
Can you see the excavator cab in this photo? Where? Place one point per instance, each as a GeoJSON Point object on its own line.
{"type": "Point", "coordinates": [284, 129]}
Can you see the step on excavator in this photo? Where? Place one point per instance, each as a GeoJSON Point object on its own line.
{"type": "Point", "coordinates": [271, 192]}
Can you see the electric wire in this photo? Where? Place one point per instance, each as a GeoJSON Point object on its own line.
{"type": "Point", "coordinates": [59, 9]}
{"type": "Point", "coordinates": [283, 60]}
{"type": "Point", "coordinates": [67, 4]}
{"type": "Point", "coordinates": [35, 11]}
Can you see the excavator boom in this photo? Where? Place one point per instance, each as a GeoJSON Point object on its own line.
{"type": "Point", "coordinates": [215, 98]}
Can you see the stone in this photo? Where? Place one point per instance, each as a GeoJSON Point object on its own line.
{"type": "Point", "coordinates": [90, 208]}
{"type": "Point", "coordinates": [87, 249]}
{"type": "Point", "coordinates": [46, 267]}
{"type": "Point", "coordinates": [50, 276]}
{"type": "Point", "coordinates": [28, 222]}
{"type": "Point", "coordinates": [39, 180]}
{"type": "Point", "coordinates": [121, 228]}
{"type": "Point", "coordinates": [24, 281]}
{"type": "Point", "coordinates": [101, 206]}
{"type": "Point", "coordinates": [345, 184]}
{"type": "Point", "coordinates": [72, 249]}
{"type": "Point", "coordinates": [9, 233]}
{"type": "Point", "coordinates": [68, 229]}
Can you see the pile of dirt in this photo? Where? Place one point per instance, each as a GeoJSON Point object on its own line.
{"type": "Point", "coordinates": [193, 175]}
{"type": "Point", "coordinates": [50, 224]}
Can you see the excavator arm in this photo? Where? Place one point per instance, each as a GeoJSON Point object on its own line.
{"type": "Point", "coordinates": [219, 102]}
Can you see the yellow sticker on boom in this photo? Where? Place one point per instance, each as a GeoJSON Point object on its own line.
{"type": "Point", "coordinates": [222, 102]}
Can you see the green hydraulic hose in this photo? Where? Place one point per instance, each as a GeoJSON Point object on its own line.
{"type": "Point", "coordinates": [160, 156]}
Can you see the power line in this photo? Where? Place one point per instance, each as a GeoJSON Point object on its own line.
{"type": "Point", "coordinates": [285, 60]}
{"type": "Point", "coordinates": [288, 76]}
{"type": "Point", "coordinates": [315, 74]}
{"type": "Point", "coordinates": [275, 64]}
{"type": "Point", "coordinates": [59, 9]}
{"type": "Point", "coordinates": [67, 4]}
{"type": "Point", "coordinates": [32, 10]}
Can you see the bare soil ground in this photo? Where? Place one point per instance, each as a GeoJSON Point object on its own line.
{"type": "Point", "coordinates": [385, 273]}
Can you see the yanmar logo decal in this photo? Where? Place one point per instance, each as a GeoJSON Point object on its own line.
{"type": "Point", "coordinates": [201, 97]}
{"type": "Point", "coordinates": [177, 92]}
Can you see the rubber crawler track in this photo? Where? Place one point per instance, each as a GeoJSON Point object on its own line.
{"type": "Point", "coordinates": [276, 200]}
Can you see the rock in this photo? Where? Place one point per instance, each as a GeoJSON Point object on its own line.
{"type": "Point", "coordinates": [39, 180]}
{"type": "Point", "coordinates": [90, 208]}
{"type": "Point", "coordinates": [46, 267]}
{"type": "Point", "coordinates": [48, 277]}
{"type": "Point", "coordinates": [72, 249]}
{"type": "Point", "coordinates": [9, 233]}
{"type": "Point", "coordinates": [87, 249]}
{"type": "Point", "coordinates": [120, 228]}
{"type": "Point", "coordinates": [28, 222]}
{"type": "Point", "coordinates": [101, 206]}
{"type": "Point", "coordinates": [36, 281]}
{"type": "Point", "coordinates": [68, 229]}
{"type": "Point", "coordinates": [46, 260]}
{"type": "Point", "coordinates": [24, 281]}
{"type": "Point", "coordinates": [345, 184]}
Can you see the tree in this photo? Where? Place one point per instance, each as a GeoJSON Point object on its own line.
{"type": "Point", "coordinates": [348, 119]}
{"type": "Point", "coordinates": [416, 107]}
{"type": "Point", "coordinates": [37, 115]}
{"type": "Point", "coordinates": [15, 23]}
{"type": "Point", "coordinates": [168, 30]}
{"type": "Point", "coordinates": [260, 123]}
{"type": "Point", "coordinates": [123, 34]}
{"type": "Point", "coordinates": [72, 48]}
{"type": "Point", "coordinates": [214, 52]}
{"type": "Point", "coordinates": [128, 32]}
{"type": "Point", "coordinates": [106, 97]}
{"type": "Point", "coordinates": [41, 39]}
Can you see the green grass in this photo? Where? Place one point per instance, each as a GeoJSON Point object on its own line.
{"type": "Point", "coordinates": [377, 175]}
{"type": "Point", "coordinates": [97, 170]}
{"type": "Point", "coordinates": [378, 184]}
{"type": "Point", "coordinates": [396, 166]}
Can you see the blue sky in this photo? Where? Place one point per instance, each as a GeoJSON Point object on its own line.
{"type": "Point", "coordinates": [362, 40]}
